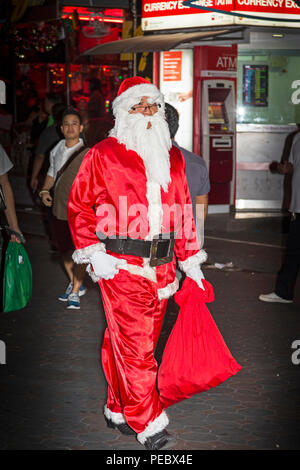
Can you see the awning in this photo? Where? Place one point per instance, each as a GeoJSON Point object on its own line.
{"type": "Point", "coordinates": [152, 43]}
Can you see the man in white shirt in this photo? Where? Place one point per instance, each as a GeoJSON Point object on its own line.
{"type": "Point", "coordinates": [65, 151]}
{"type": "Point", "coordinates": [287, 276]}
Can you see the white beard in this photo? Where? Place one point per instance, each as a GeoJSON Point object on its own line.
{"type": "Point", "coordinates": [152, 144]}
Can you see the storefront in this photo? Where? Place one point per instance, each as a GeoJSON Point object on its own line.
{"type": "Point", "coordinates": [43, 52]}
{"type": "Point", "coordinates": [268, 111]}
{"type": "Point", "coordinates": [49, 55]}
{"type": "Point", "coordinates": [238, 104]}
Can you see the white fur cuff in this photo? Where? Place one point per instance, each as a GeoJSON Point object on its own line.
{"type": "Point", "coordinates": [83, 255]}
{"type": "Point", "coordinates": [116, 418]}
{"type": "Point", "coordinates": [154, 427]}
{"type": "Point", "coordinates": [91, 273]}
{"type": "Point", "coordinates": [198, 258]}
{"type": "Point", "coordinates": [169, 290]}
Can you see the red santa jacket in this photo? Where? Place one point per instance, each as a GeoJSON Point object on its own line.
{"type": "Point", "coordinates": [112, 195]}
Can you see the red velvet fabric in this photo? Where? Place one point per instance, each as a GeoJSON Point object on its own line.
{"type": "Point", "coordinates": [134, 317]}
{"type": "Point", "coordinates": [109, 195]}
{"type": "Point", "coordinates": [196, 357]}
{"type": "Point", "coordinates": [129, 82]}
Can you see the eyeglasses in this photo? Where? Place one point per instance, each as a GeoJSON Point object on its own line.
{"type": "Point", "coordinates": [154, 106]}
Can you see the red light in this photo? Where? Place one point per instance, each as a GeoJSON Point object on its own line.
{"type": "Point", "coordinates": [107, 20]}
{"type": "Point", "coordinates": [84, 14]}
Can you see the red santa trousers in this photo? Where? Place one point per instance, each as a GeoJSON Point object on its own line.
{"type": "Point", "coordinates": [134, 317]}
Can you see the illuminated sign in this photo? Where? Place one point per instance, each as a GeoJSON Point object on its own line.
{"type": "Point", "coordinates": [174, 14]}
{"type": "Point", "coordinates": [176, 84]}
{"type": "Point", "coordinates": [172, 66]}
{"type": "Point", "coordinates": [255, 85]}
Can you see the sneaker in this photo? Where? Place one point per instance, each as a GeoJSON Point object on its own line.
{"type": "Point", "coordinates": [64, 297]}
{"type": "Point", "coordinates": [82, 290]}
{"type": "Point", "coordinates": [73, 300]}
{"type": "Point", "coordinates": [272, 297]}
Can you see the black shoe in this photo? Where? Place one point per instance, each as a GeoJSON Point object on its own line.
{"type": "Point", "coordinates": [160, 440]}
{"type": "Point", "coordinates": [123, 427]}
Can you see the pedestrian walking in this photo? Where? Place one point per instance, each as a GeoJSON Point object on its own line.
{"type": "Point", "coordinates": [65, 160]}
{"type": "Point", "coordinates": [287, 276]}
{"type": "Point", "coordinates": [195, 169]}
{"type": "Point", "coordinates": [122, 226]}
{"type": "Point", "coordinates": [49, 137]}
{"type": "Point", "coordinates": [8, 201]}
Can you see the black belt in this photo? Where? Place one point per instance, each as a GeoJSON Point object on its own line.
{"type": "Point", "coordinates": [160, 250]}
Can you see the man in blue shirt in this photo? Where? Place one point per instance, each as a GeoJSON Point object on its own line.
{"type": "Point", "coordinates": [195, 169]}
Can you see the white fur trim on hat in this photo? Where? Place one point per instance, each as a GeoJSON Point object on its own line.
{"type": "Point", "coordinates": [198, 258]}
{"type": "Point", "coordinates": [160, 423]}
{"type": "Point", "coordinates": [117, 418]}
{"type": "Point", "coordinates": [134, 94]}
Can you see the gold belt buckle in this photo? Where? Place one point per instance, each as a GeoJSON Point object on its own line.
{"type": "Point", "coordinates": [154, 261]}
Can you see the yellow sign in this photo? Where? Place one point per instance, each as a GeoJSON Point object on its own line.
{"type": "Point", "coordinates": [127, 33]}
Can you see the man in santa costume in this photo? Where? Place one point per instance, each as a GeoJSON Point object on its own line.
{"type": "Point", "coordinates": [129, 212]}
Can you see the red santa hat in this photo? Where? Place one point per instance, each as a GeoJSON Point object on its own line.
{"type": "Point", "coordinates": [131, 91]}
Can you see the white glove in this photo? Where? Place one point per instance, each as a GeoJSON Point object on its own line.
{"type": "Point", "coordinates": [106, 266]}
{"type": "Point", "coordinates": [196, 274]}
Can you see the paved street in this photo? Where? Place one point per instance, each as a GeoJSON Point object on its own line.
{"type": "Point", "coordinates": [53, 390]}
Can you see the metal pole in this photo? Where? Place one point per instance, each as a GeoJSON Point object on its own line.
{"type": "Point", "coordinates": [67, 70]}
{"type": "Point", "coordinates": [134, 14]}
{"type": "Point", "coordinates": [13, 90]}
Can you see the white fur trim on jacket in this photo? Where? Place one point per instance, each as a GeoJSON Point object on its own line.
{"type": "Point", "coordinates": [116, 418]}
{"type": "Point", "coordinates": [198, 258]}
{"type": "Point", "coordinates": [83, 255]}
{"type": "Point", "coordinates": [145, 271]}
{"type": "Point", "coordinates": [169, 290]}
{"type": "Point", "coordinates": [155, 212]}
{"type": "Point", "coordinates": [154, 427]}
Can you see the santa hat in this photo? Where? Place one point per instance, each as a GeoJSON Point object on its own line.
{"type": "Point", "coordinates": [131, 91]}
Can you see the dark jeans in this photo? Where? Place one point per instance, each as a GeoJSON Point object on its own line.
{"type": "Point", "coordinates": [287, 275]}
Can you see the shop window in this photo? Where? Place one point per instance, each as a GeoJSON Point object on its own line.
{"type": "Point", "coordinates": [268, 87]}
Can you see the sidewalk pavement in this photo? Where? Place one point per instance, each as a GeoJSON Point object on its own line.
{"type": "Point", "coordinates": [53, 389]}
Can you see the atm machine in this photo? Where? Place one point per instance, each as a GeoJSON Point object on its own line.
{"type": "Point", "coordinates": [218, 141]}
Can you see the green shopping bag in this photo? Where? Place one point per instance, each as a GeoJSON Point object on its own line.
{"type": "Point", "coordinates": [17, 282]}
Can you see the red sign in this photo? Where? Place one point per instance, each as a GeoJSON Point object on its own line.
{"type": "Point", "coordinates": [153, 8]}
{"type": "Point", "coordinates": [221, 58]}
{"type": "Point", "coordinates": [172, 14]}
{"type": "Point", "coordinates": [172, 66]}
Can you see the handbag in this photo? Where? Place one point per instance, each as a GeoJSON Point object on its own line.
{"type": "Point", "coordinates": [196, 357]}
{"type": "Point", "coordinates": [67, 164]}
{"type": "Point", "coordinates": [17, 279]}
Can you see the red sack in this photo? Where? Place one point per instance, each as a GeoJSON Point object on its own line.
{"type": "Point", "coordinates": [196, 357]}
